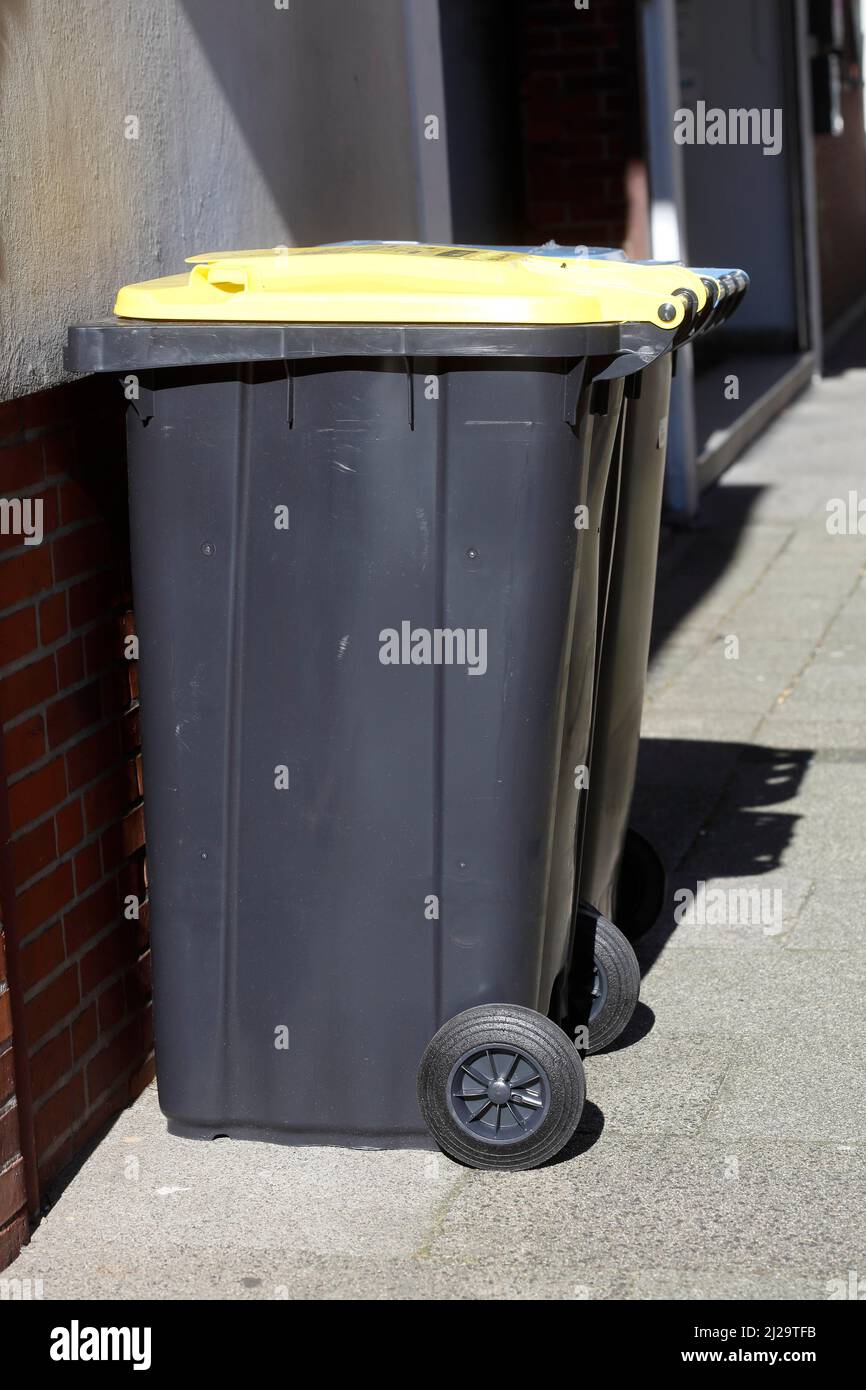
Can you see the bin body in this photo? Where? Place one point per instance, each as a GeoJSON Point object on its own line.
{"type": "Point", "coordinates": [420, 859]}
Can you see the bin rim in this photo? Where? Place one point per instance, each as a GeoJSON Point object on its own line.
{"type": "Point", "coordinates": [122, 345]}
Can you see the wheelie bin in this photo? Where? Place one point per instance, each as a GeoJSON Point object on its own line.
{"type": "Point", "coordinates": [621, 874]}
{"type": "Point", "coordinates": [621, 877]}
{"type": "Point", "coordinates": [369, 620]}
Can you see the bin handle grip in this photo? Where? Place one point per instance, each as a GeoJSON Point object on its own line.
{"type": "Point", "coordinates": [221, 277]}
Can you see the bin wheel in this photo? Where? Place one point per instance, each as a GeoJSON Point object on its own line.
{"type": "Point", "coordinates": [615, 988]}
{"type": "Point", "coordinates": [640, 889]}
{"type": "Point", "coordinates": [501, 1086]}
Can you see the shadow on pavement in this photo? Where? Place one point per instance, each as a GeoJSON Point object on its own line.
{"type": "Point", "coordinates": [704, 806]}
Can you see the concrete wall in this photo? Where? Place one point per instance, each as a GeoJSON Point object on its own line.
{"type": "Point", "coordinates": [257, 126]}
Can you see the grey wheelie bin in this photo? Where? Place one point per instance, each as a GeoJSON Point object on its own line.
{"type": "Point", "coordinates": [621, 879]}
{"type": "Point", "coordinates": [369, 619]}
{"type": "Point", "coordinates": [608, 845]}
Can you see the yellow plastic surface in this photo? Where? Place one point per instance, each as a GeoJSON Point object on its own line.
{"type": "Point", "coordinates": [407, 283]}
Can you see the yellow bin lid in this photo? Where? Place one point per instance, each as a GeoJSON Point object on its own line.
{"type": "Point", "coordinates": [409, 283]}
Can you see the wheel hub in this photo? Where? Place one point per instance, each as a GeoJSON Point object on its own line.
{"type": "Point", "coordinates": [498, 1093]}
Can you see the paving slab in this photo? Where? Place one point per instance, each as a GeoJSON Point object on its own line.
{"type": "Point", "coordinates": [790, 1087]}
{"type": "Point", "coordinates": [671, 1202]}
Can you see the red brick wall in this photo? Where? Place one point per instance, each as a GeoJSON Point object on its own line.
{"type": "Point", "coordinates": [583, 171]}
{"type": "Point", "coordinates": [14, 1227]}
{"type": "Point", "coordinates": [73, 795]}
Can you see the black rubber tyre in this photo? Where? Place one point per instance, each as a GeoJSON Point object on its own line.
{"type": "Point", "coordinates": [501, 1086]}
{"type": "Point", "coordinates": [640, 890]}
{"type": "Point", "coordinates": [616, 985]}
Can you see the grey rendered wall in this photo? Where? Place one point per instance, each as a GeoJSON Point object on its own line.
{"type": "Point", "coordinates": [257, 126]}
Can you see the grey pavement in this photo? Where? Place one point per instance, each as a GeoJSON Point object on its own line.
{"type": "Point", "coordinates": [722, 1152]}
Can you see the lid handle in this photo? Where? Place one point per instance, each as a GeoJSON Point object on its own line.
{"type": "Point", "coordinates": [222, 277]}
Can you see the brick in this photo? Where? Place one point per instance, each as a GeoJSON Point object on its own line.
{"type": "Point", "coordinates": [145, 1022]}
{"type": "Point", "coordinates": [131, 729]}
{"type": "Point", "coordinates": [95, 912]}
{"type": "Point", "coordinates": [7, 1075]}
{"type": "Point", "coordinates": [131, 878]}
{"type": "Point", "coordinates": [58, 1115]}
{"type": "Point", "coordinates": [52, 619]}
{"type": "Point", "coordinates": [142, 1077]}
{"type": "Point", "coordinates": [10, 1139]}
{"type": "Point", "coordinates": [25, 689]}
{"type": "Point", "coordinates": [45, 899]}
{"type": "Point", "coordinates": [121, 1054]}
{"type": "Point", "coordinates": [50, 513]}
{"type": "Point", "coordinates": [24, 744]}
{"type": "Point", "coordinates": [75, 504]}
{"type": "Point", "coordinates": [107, 957]}
{"type": "Point", "coordinates": [24, 575]}
{"type": "Point", "coordinates": [50, 1063]}
{"type": "Point", "coordinates": [69, 661]}
{"type": "Point", "coordinates": [102, 646]}
{"type": "Point", "coordinates": [88, 1123]}
{"type": "Point", "coordinates": [91, 598]}
{"type": "Point", "coordinates": [36, 794]}
{"type": "Point", "coordinates": [73, 713]}
{"type": "Point", "coordinates": [88, 867]}
{"type": "Point", "coordinates": [59, 453]}
{"type": "Point", "coordinates": [134, 778]}
{"type": "Point", "coordinates": [143, 924]}
{"type": "Point", "coordinates": [84, 1032]}
{"type": "Point", "coordinates": [13, 1193]}
{"type": "Point", "coordinates": [41, 956]}
{"type": "Point", "coordinates": [51, 1005]}
{"type": "Point", "coordinates": [18, 635]}
{"type": "Point", "coordinates": [34, 851]}
{"type": "Point", "coordinates": [111, 846]}
{"type": "Point", "coordinates": [13, 1237]}
{"type": "Point", "coordinates": [10, 424]}
{"type": "Point", "coordinates": [5, 1017]}
{"type": "Point", "coordinates": [106, 801]}
{"type": "Point", "coordinates": [51, 407]}
{"type": "Point", "coordinates": [138, 984]}
{"type": "Point", "coordinates": [89, 758]}
{"type": "Point", "coordinates": [133, 831]}
{"type": "Point", "coordinates": [111, 1006]}
{"type": "Point", "coordinates": [21, 467]}
{"type": "Point", "coordinates": [70, 826]}
{"type": "Point", "coordinates": [80, 551]}
{"type": "Point", "coordinates": [116, 692]}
